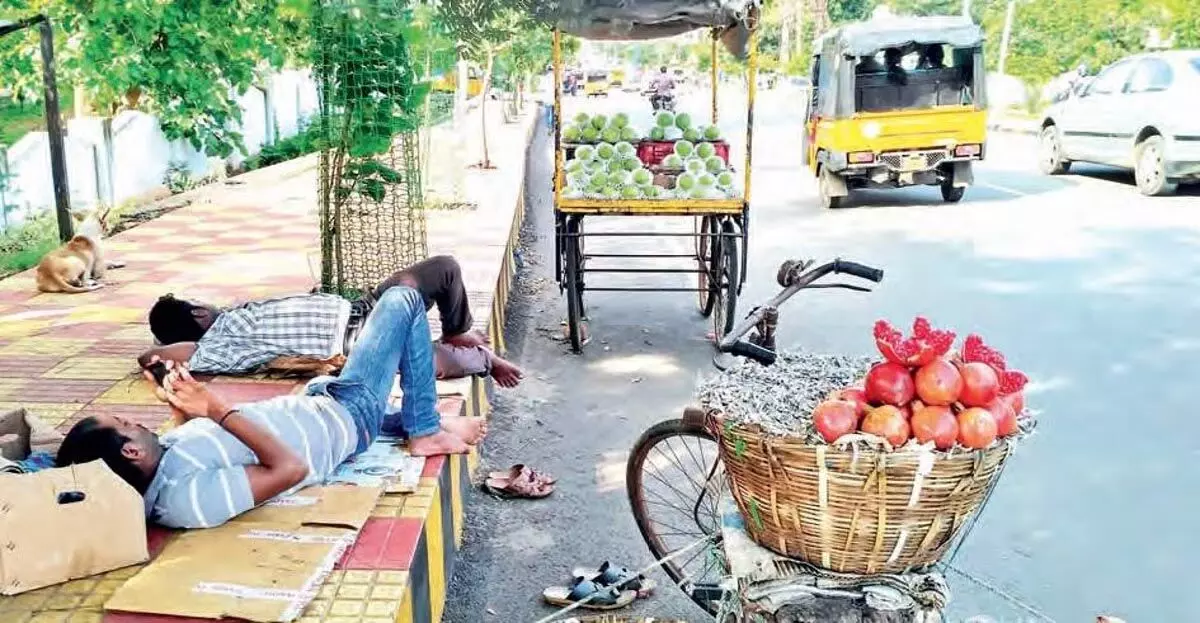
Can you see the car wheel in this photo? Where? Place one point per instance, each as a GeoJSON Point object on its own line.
{"type": "Point", "coordinates": [1050, 152]}
{"type": "Point", "coordinates": [1150, 167]}
{"type": "Point", "coordinates": [952, 193]}
{"type": "Point", "coordinates": [828, 200]}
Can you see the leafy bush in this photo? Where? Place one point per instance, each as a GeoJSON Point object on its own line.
{"type": "Point", "coordinates": [304, 142]}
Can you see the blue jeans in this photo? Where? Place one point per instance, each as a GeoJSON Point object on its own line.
{"type": "Point", "coordinates": [395, 337]}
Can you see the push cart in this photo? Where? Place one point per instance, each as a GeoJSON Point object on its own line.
{"type": "Point", "coordinates": [719, 225]}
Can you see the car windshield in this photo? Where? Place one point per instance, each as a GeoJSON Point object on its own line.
{"type": "Point", "coordinates": [1195, 63]}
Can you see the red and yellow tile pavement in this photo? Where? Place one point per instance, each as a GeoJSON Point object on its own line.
{"type": "Point", "coordinates": [65, 357]}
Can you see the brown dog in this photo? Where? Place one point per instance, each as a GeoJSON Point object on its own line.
{"type": "Point", "coordinates": [78, 265]}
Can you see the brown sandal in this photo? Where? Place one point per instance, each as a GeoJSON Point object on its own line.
{"type": "Point", "coordinates": [524, 485]}
{"type": "Point", "coordinates": [519, 470]}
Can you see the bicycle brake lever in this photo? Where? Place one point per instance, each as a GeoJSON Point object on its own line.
{"type": "Point", "coordinates": [847, 286]}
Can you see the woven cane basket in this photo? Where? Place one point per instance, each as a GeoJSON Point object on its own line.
{"type": "Point", "coordinates": [850, 510]}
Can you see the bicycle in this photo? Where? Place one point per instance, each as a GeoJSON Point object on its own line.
{"type": "Point", "coordinates": [700, 499]}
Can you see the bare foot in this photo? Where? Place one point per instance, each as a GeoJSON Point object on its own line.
{"type": "Point", "coordinates": [505, 372]}
{"type": "Point", "coordinates": [469, 429]}
{"type": "Point", "coordinates": [438, 443]}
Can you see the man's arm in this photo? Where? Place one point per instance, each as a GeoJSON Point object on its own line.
{"type": "Point", "coordinates": [278, 469]}
{"type": "Point", "coordinates": [179, 352]}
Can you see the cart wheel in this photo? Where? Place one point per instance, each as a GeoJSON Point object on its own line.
{"type": "Point", "coordinates": [675, 481]}
{"type": "Point", "coordinates": [728, 264]}
{"type": "Point", "coordinates": [576, 331]}
{"type": "Point", "coordinates": [706, 246]}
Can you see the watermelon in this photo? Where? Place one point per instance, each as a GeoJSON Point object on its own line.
{"type": "Point", "coordinates": [599, 122]}
{"type": "Point", "coordinates": [657, 134]}
{"type": "Point", "coordinates": [620, 120]}
{"type": "Point", "coordinates": [705, 150]}
{"type": "Point", "coordinates": [683, 121]}
{"type": "Point", "coordinates": [664, 119]}
{"type": "Point", "coordinates": [684, 148]}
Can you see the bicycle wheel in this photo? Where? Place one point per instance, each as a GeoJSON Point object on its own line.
{"type": "Point", "coordinates": [675, 481]}
{"type": "Point", "coordinates": [728, 262]}
{"type": "Point", "coordinates": [576, 332]}
{"type": "Point", "coordinates": [706, 243]}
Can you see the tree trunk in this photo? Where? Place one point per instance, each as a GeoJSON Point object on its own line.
{"type": "Point", "coordinates": [785, 31]}
{"type": "Point", "coordinates": [486, 163]}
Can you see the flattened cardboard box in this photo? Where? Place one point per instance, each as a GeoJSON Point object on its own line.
{"type": "Point", "coordinates": [67, 523]}
{"type": "Point", "coordinates": [265, 565]}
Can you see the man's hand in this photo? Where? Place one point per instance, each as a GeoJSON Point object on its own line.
{"type": "Point", "coordinates": [187, 396]}
{"type": "Point", "coordinates": [470, 339]}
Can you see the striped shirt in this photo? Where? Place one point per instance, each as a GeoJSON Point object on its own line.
{"type": "Point", "coordinates": [249, 336]}
{"type": "Point", "coordinates": [201, 480]}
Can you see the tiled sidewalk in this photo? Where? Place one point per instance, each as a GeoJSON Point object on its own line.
{"type": "Point", "coordinates": [65, 357]}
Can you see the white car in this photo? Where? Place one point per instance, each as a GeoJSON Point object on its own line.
{"type": "Point", "coordinates": [1138, 113]}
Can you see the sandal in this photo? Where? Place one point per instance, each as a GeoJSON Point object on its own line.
{"type": "Point", "coordinates": [523, 486]}
{"type": "Point", "coordinates": [620, 577]}
{"type": "Point", "coordinates": [518, 470]}
{"type": "Point", "coordinates": [602, 597]}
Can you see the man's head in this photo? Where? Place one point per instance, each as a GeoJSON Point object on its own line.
{"type": "Point", "coordinates": [892, 57]}
{"type": "Point", "coordinates": [935, 54]}
{"type": "Point", "coordinates": [175, 320]}
{"type": "Point", "coordinates": [129, 449]}
{"type": "Point", "coordinates": [662, 70]}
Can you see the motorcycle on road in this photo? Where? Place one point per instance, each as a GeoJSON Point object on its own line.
{"type": "Point", "coordinates": [661, 101]}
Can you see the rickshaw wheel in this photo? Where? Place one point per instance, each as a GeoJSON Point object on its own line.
{"type": "Point", "coordinates": [574, 277]}
{"type": "Point", "coordinates": [952, 193]}
{"type": "Point", "coordinates": [706, 249]}
{"type": "Point", "coordinates": [828, 201]}
{"type": "Point", "coordinates": [729, 263]}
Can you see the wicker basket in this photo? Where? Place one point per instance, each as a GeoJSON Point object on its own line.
{"type": "Point", "coordinates": [853, 510]}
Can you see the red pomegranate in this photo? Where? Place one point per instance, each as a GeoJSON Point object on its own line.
{"type": "Point", "coordinates": [980, 384]}
{"type": "Point", "coordinates": [935, 423]}
{"type": "Point", "coordinates": [858, 396]}
{"type": "Point", "coordinates": [938, 383]}
{"type": "Point", "coordinates": [925, 345]}
{"type": "Point", "coordinates": [976, 428]}
{"type": "Point", "coordinates": [889, 383]}
{"type": "Point", "coordinates": [834, 418]}
{"type": "Point", "coordinates": [1016, 400]}
{"type": "Point", "coordinates": [888, 422]}
{"type": "Point", "coordinates": [1006, 418]}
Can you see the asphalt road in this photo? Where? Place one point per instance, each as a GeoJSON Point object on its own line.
{"type": "Point", "coordinates": [1081, 281]}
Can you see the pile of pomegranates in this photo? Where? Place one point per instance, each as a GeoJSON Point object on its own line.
{"type": "Point", "coordinates": [922, 391]}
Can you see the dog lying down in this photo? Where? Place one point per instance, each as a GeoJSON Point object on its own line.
{"type": "Point", "coordinates": [78, 265]}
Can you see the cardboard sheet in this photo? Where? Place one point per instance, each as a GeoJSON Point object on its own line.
{"type": "Point", "coordinates": [265, 565]}
{"type": "Point", "coordinates": [67, 523]}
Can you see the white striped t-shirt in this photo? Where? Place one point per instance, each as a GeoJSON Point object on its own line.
{"type": "Point", "coordinates": [201, 479]}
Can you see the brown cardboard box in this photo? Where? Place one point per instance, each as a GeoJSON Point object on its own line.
{"type": "Point", "coordinates": [265, 565]}
{"type": "Point", "coordinates": [67, 523]}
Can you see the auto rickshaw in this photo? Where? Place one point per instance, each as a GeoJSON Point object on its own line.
{"type": "Point", "coordinates": [617, 78]}
{"type": "Point", "coordinates": [595, 83]}
{"type": "Point", "coordinates": [896, 102]}
{"type": "Point", "coordinates": [448, 82]}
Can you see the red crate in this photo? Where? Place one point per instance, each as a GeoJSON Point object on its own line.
{"type": "Point", "coordinates": [652, 153]}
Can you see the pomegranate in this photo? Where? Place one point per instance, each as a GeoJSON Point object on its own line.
{"type": "Point", "coordinates": [925, 345]}
{"type": "Point", "coordinates": [1012, 381]}
{"type": "Point", "coordinates": [935, 423]}
{"type": "Point", "coordinates": [980, 384]}
{"type": "Point", "coordinates": [974, 350]}
{"type": "Point", "coordinates": [834, 418]}
{"type": "Point", "coordinates": [1016, 400]}
{"type": "Point", "coordinates": [889, 383]}
{"type": "Point", "coordinates": [888, 422]}
{"type": "Point", "coordinates": [938, 383]}
{"type": "Point", "coordinates": [976, 428]}
{"type": "Point", "coordinates": [1006, 418]}
{"type": "Point", "coordinates": [856, 395]}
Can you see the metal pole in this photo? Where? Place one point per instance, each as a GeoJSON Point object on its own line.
{"type": "Point", "coordinates": [1004, 37]}
{"type": "Point", "coordinates": [713, 77]}
{"type": "Point", "coordinates": [54, 131]}
{"type": "Point", "coordinates": [556, 55]}
{"type": "Point", "coordinates": [752, 84]}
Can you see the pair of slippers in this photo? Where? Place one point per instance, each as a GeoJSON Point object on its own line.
{"type": "Point", "coordinates": [519, 482]}
{"type": "Point", "coordinates": [608, 588]}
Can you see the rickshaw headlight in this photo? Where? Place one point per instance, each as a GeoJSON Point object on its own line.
{"type": "Point", "coordinates": [861, 157]}
{"type": "Point", "coordinates": [871, 129]}
{"type": "Point", "coordinates": [964, 151]}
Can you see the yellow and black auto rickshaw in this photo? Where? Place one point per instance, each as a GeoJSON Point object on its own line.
{"type": "Point", "coordinates": [595, 83]}
{"type": "Point", "coordinates": [896, 102]}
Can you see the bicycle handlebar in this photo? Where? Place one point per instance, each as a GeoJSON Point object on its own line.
{"type": "Point", "coordinates": [794, 282]}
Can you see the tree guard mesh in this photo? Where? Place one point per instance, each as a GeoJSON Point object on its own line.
{"type": "Point", "coordinates": [371, 211]}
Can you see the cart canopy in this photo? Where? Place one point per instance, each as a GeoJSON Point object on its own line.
{"type": "Point", "coordinates": [630, 20]}
{"type": "Point", "coordinates": [864, 38]}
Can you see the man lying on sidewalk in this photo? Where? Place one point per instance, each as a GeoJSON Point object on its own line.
{"type": "Point", "coordinates": [227, 459]}
{"type": "Point", "coordinates": [245, 338]}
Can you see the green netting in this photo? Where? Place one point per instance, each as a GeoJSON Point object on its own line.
{"type": "Point", "coordinates": [371, 104]}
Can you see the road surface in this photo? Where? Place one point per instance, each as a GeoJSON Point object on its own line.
{"type": "Point", "coordinates": [1084, 284]}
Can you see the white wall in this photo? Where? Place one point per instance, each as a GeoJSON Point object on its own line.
{"type": "Point", "coordinates": [136, 159]}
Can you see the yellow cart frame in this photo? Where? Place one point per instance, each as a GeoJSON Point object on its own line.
{"type": "Point", "coordinates": [720, 226]}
